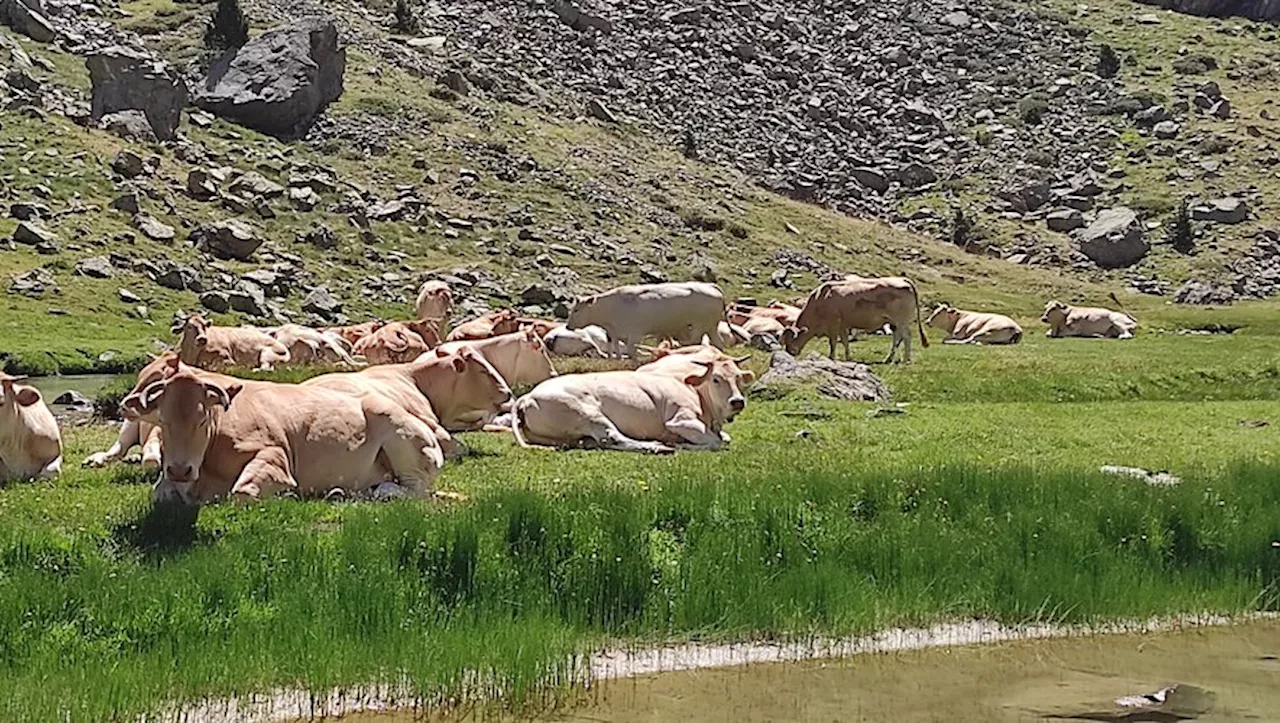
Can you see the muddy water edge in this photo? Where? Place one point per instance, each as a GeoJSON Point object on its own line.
{"type": "Point", "coordinates": [1237, 668]}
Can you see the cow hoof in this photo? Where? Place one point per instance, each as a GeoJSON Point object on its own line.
{"type": "Point", "coordinates": [95, 461]}
{"type": "Point", "coordinates": [663, 449]}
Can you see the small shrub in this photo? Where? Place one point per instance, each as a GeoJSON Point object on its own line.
{"type": "Point", "coordinates": [1181, 235]}
{"type": "Point", "coordinates": [404, 20]}
{"type": "Point", "coordinates": [1195, 64]}
{"type": "Point", "coordinates": [228, 28]}
{"type": "Point", "coordinates": [1032, 108]}
{"type": "Point", "coordinates": [964, 231]}
{"type": "Point", "coordinates": [1108, 62]}
{"type": "Point", "coordinates": [689, 145]}
{"type": "Point", "coordinates": [699, 221]}
{"type": "Point", "coordinates": [982, 136]}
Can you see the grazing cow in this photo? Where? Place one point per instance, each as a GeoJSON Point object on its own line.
{"type": "Point", "coordinates": [30, 444]}
{"type": "Point", "coordinates": [136, 430]}
{"type": "Point", "coordinates": [629, 314]}
{"type": "Point", "coordinates": [589, 341]}
{"type": "Point", "coordinates": [971, 327]}
{"type": "Point", "coordinates": [520, 357]}
{"type": "Point", "coordinates": [311, 346]}
{"type": "Point", "coordinates": [837, 308]}
{"type": "Point", "coordinates": [630, 411]}
{"type": "Point", "coordinates": [353, 334]}
{"type": "Point", "coordinates": [215, 348]}
{"type": "Point", "coordinates": [495, 323]}
{"type": "Point", "coordinates": [435, 301]}
{"type": "Point", "coordinates": [227, 437]}
{"type": "Point", "coordinates": [399, 342]}
{"type": "Point", "coordinates": [449, 391]}
{"type": "Point", "coordinates": [1087, 321]}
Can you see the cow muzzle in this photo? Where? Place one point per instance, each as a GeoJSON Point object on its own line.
{"type": "Point", "coordinates": [180, 473]}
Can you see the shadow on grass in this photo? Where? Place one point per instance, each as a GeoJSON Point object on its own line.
{"type": "Point", "coordinates": [163, 529]}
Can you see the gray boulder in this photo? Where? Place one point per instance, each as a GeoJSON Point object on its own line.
{"type": "Point", "coordinates": [216, 301]}
{"type": "Point", "coordinates": [153, 228]}
{"type": "Point", "coordinates": [1222, 210]}
{"type": "Point", "coordinates": [33, 233]}
{"type": "Point", "coordinates": [279, 82]}
{"type": "Point", "coordinates": [322, 303]}
{"type": "Point", "coordinates": [1115, 239]}
{"type": "Point", "coordinates": [1065, 220]}
{"type": "Point", "coordinates": [832, 379]}
{"type": "Point", "coordinates": [1202, 293]}
{"type": "Point", "coordinates": [249, 299]}
{"type": "Point", "coordinates": [96, 267]}
{"type": "Point", "coordinates": [228, 239]}
{"type": "Point", "coordinates": [125, 79]}
{"type": "Point", "coordinates": [25, 16]}
{"type": "Point", "coordinates": [131, 125]}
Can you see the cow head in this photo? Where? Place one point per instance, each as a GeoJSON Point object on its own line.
{"type": "Point", "coordinates": [159, 368]}
{"type": "Point", "coordinates": [195, 337]}
{"type": "Point", "coordinates": [1055, 312]}
{"type": "Point", "coordinates": [477, 391]}
{"type": "Point", "coordinates": [428, 329]}
{"type": "Point", "coordinates": [505, 321]}
{"type": "Point", "coordinates": [11, 395]}
{"type": "Point", "coordinates": [944, 317]}
{"type": "Point", "coordinates": [718, 388]}
{"type": "Point", "coordinates": [581, 313]}
{"type": "Point", "coordinates": [187, 407]}
{"type": "Point", "coordinates": [534, 361]}
{"type": "Point", "coordinates": [794, 338]}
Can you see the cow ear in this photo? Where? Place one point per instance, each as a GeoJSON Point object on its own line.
{"type": "Point", "coordinates": [26, 396]}
{"type": "Point", "coordinates": [173, 362]}
{"type": "Point", "coordinates": [747, 378]}
{"type": "Point", "coordinates": [695, 380]}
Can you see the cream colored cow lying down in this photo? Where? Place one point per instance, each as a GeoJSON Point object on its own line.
{"type": "Point", "coordinates": [972, 327]}
{"type": "Point", "coordinates": [30, 443]}
{"type": "Point", "coordinates": [631, 411]}
{"type": "Point", "coordinates": [1087, 321]}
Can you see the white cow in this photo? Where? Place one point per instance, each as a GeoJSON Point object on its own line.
{"type": "Point", "coordinates": [630, 411]}
{"type": "Point", "coordinates": [629, 314]}
{"type": "Point", "coordinates": [1087, 321]}
{"type": "Point", "coordinates": [589, 341]}
{"type": "Point", "coordinates": [30, 443]}
{"type": "Point", "coordinates": [972, 327]}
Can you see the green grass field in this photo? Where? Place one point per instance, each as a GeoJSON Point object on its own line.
{"type": "Point", "coordinates": [983, 500]}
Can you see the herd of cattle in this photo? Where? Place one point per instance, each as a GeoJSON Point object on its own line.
{"type": "Point", "coordinates": [385, 427]}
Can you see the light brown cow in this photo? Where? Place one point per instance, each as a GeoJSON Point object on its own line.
{"type": "Point", "coordinates": [837, 308]}
{"type": "Point", "coordinates": [1087, 321]}
{"type": "Point", "coordinates": [311, 346]}
{"type": "Point", "coordinates": [30, 443]}
{"type": "Point", "coordinates": [220, 347]}
{"type": "Point", "coordinates": [630, 411]}
{"type": "Point", "coordinates": [135, 430]}
{"type": "Point", "coordinates": [227, 437]}
{"type": "Point", "coordinates": [520, 357]}
{"type": "Point", "coordinates": [449, 391]}
{"type": "Point", "coordinates": [785, 314]}
{"type": "Point", "coordinates": [972, 327]}
{"type": "Point", "coordinates": [629, 314]}
{"type": "Point", "coordinates": [435, 301]}
{"type": "Point", "coordinates": [495, 323]}
{"type": "Point", "coordinates": [399, 342]}
{"type": "Point", "coordinates": [355, 333]}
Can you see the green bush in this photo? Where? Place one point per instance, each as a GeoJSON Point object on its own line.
{"type": "Point", "coordinates": [1181, 234]}
{"type": "Point", "coordinates": [1032, 108]}
{"type": "Point", "coordinates": [228, 28]}
{"type": "Point", "coordinates": [1108, 62]}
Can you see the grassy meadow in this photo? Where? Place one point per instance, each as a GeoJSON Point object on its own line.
{"type": "Point", "coordinates": [983, 500]}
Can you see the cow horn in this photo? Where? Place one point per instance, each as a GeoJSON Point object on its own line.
{"type": "Point", "coordinates": [742, 359]}
{"type": "Point", "coordinates": [152, 390]}
{"type": "Point", "coordinates": [223, 397]}
{"type": "Point", "coordinates": [10, 379]}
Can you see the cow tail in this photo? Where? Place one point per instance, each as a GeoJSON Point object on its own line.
{"type": "Point", "coordinates": [1121, 307]}
{"type": "Point", "coordinates": [924, 340]}
{"type": "Point", "coordinates": [517, 422]}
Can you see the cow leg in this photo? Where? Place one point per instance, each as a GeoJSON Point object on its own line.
{"type": "Point", "coordinates": [152, 445]}
{"type": "Point", "coordinates": [612, 438]}
{"type": "Point", "coordinates": [831, 345]}
{"type": "Point", "coordinates": [893, 348]}
{"type": "Point", "coordinates": [5, 474]}
{"type": "Point", "coordinates": [688, 427]}
{"type": "Point", "coordinates": [413, 454]}
{"type": "Point", "coordinates": [124, 442]}
{"type": "Point", "coordinates": [267, 472]}
{"type": "Point", "coordinates": [906, 340]}
{"type": "Point", "coordinates": [847, 338]}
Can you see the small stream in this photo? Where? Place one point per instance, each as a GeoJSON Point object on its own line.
{"type": "Point", "coordinates": [87, 385]}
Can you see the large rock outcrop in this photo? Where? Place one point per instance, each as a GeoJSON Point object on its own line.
{"type": "Point", "coordinates": [1254, 9]}
{"type": "Point", "coordinates": [836, 380]}
{"type": "Point", "coordinates": [279, 82]}
{"type": "Point", "coordinates": [27, 17]}
{"type": "Point", "coordinates": [126, 79]}
{"type": "Point", "coordinates": [1116, 239]}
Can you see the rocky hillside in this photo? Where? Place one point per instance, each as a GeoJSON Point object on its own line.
{"type": "Point", "coordinates": [531, 151]}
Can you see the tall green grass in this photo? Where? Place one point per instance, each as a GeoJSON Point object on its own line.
{"type": "Point", "coordinates": [104, 621]}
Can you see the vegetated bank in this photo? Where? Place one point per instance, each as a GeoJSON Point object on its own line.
{"type": "Point", "coordinates": [109, 607]}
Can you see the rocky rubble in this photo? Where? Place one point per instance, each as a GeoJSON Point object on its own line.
{"type": "Point", "coordinates": [851, 104]}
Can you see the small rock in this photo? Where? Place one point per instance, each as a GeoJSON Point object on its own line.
{"type": "Point", "coordinates": [216, 301]}
{"type": "Point", "coordinates": [33, 233]}
{"type": "Point", "coordinates": [1065, 221]}
{"type": "Point", "coordinates": [322, 237]}
{"type": "Point", "coordinates": [152, 228]}
{"type": "Point", "coordinates": [128, 164]}
{"type": "Point", "coordinates": [1167, 130]}
{"type": "Point", "coordinates": [128, 296]}
{"type": "Point", "coordinates": [254, 185]}
{"type": "Point", "coordinates": [1223, 210]}
{"type": "Point", "coordinates": [1159, 479]}
{"type": "Point", "coordinates": [303, 199]}
{"type": "Point", "coordinates": [598, 111]}
{"type": "Point", "coordinates": [73, 398]}
{"type": "Point", "coordinates": [1115, 239]}
{"type": "Point", "coordinates": [128, 203]}
{"type": "Point", "coordinates": [96, 267]}
{"type": "Point", "coordinates": [322, 303]}
{"type": "Point", "coordinates": [227, 240]}
{"type": "Point", "coordinates": [201, 186]}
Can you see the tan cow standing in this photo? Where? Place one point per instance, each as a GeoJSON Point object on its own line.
{"type": "Point", "coordinates": [838, 308]}
{"type": "Point", "coordinates": [227, 437]}
{"type": "Point", "coordinates": [435, 301]}
{"type": "Point", "coordinates": [629, 314]}
{"type": "Point", "coordinates": [972, 327]}
{"type": "Point", "coordinates": [495, 323]}
{"type": "Point", "coordinates": [399, 342]}
{"type": "Point", "coordinates": [30, 443]}
{"type": "Point", "coordinates": [630, 411]}
{"type": "Point", "coordinates": [215, 348]}
{"type": "Point", "coordinates": [310, 346]}
{"type": "Point", "coordinates": [1087, 321]}
{"type": "Point", "coordinates": [521, 357]}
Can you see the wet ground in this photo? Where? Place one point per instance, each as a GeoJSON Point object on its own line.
{"type": "Point", "coordinates": [1222, 674]}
